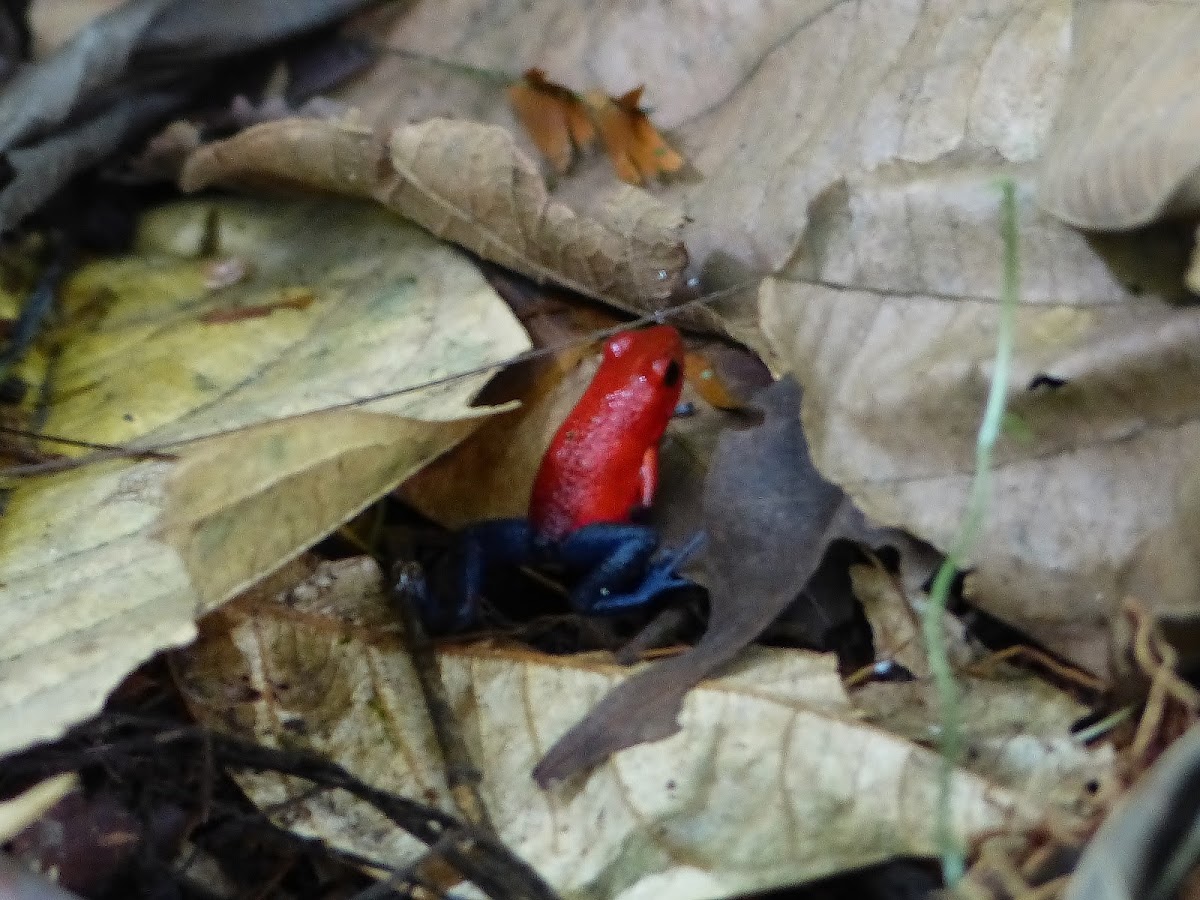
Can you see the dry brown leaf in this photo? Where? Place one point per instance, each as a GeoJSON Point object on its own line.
{"type": "Point", "coordinates": [553, 116]}
{"type": "Point", "coordinates": [773, 780]}
{"type": "Point", "coordinates": [469, 184]}
{"type": "Point", "coordinates": [1123, 151]}
{"type": "Point", "coordinates": [557, 120]}
{"type": "Point", "coordinates": [1096, 494]}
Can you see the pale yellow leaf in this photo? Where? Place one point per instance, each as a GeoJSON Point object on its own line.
{"type": "Point", "coordinates": [773, 780]}
{"type": "Point", "coordinates": [467, 183]}
{"type": "Point", "coordinates": [104, 565]}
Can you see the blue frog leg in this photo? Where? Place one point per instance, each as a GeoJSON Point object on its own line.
{"type": "Point", "coordinates": [619, 571]}
{"type": "Point", "coordinates": [481, 547]}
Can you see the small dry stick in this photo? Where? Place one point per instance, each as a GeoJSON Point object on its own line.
{"type": "Point", "coordinates": [410, 592]}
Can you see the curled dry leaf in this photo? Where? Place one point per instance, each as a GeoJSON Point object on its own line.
{"type": "Point", "coordinates": [772, 781]}
{"type": "Point", "coordinates": [104, 565]}
{"type": "Point", "coordinates": [469, 184]}
{"type": "Point", "coordinates": [1123, 151]}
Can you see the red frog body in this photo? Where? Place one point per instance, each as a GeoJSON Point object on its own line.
{"type": "Point", "coordinates": [600, 468]}
{"type": "Point", "coordinates": [602, 464]}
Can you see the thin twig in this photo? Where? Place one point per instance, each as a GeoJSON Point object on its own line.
{"type": "Point", "coordinates": [154, 450]}
{"type": "Point", "coordinates": [410, 592]}
{"type": "Point", "coordinates": [474, 853]}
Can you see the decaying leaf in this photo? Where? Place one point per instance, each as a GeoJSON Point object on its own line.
{"type": "Point", "coordinates": [1096, 496]}
{"type": "Point", "coordinates": [553, 116]}
{"type": "Point", "coordinates": [1123, 150]}
{"type": "Point", "coordinates": [104, 565]}
{"type": "Point", "coordinates": [772, 780]}
{"type": "Point", "coordinates": [769, 518]}
{"type": "Point", "coordinates": [469, 184]}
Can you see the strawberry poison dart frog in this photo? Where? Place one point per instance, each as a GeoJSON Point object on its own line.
{"type": "Point", "coordinates": [601, 468]}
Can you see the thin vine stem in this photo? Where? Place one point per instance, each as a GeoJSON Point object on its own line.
{"type": "Point", "coordinates": [951, 742]}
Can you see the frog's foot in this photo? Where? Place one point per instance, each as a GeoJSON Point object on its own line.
{"type": "Point", "coordinates": [621, 572]}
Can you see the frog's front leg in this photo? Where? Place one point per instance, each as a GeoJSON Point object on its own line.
{"type": "Point", "coordinates": [617, 567]}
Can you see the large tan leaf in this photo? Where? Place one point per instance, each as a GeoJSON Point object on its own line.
{"type": "Point", "coordinates": [467, 183]}
{"type": "Point", "coordinates": [788, 111]}
{"type": "Point", "coordinates": [104, 565]}
{"type": "Point", "coordinates": [772, 780]}
{"type": "Point", "coordinates": [1123, 150]}
{"type": "Point", "coordinates": [1094, 492]}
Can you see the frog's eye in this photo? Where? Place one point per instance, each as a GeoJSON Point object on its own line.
{"type": "Point", "coordinates": [672, 374]}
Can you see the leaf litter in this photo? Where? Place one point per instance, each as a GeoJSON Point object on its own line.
{"type": "Point", "coordinates": [876, 209]}
{"type": "Point", "coordinates": [772, 779]}
{"type": "Point", "coordinates": [559, 122]}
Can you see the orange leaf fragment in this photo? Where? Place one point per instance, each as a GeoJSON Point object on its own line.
{"type": "Point", "coordinates": [638, 152]}
{"type": "Point", "coordinates": [702, 375]}
{"type": "Point", "coordinates": [554, 117]}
